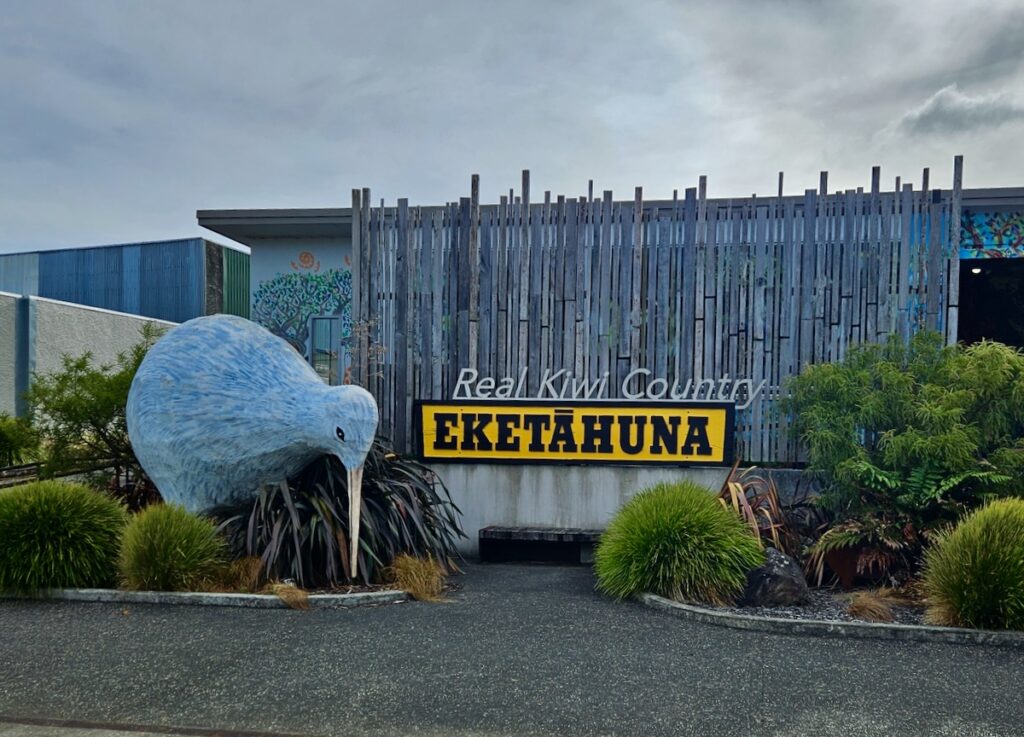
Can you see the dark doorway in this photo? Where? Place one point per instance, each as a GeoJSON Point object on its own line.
{"type": "Point", "coordinates": [992, 300]}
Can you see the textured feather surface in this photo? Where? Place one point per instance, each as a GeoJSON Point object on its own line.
{"type": "Point", "coordinates": [220, 406]}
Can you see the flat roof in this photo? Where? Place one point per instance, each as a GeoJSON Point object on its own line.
{"type": "Point", "coordinates": [121, 245]}
{"type": "Point", "coordinates": [246, 226]}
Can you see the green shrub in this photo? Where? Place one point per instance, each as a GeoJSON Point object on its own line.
{"type": "Point", "coordinates": [676, 540]}
{"type": "Point", "coordinates": [974, 575]}
{"type": "Point", "coordinates": [55, 535]}
{"type": "Point", "coordinates": [908, 436]}
{"type": "Point", "coordinates": [18, 440]}
{"type": "Point", "coordinates": [166, 548]}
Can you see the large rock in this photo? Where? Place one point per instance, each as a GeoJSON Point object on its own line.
{"type": "Point", "coordinates": [779, 582]}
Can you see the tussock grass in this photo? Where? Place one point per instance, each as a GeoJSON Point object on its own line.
{"type": "Point", "coordinates": [974, 574]}
{"type": "Point", "coordinates": [421, 578]}
{"type": "Point", "coordinates": [55, 534]}
{"type": "Point", "coordinates": [290, 594]}
{"type": "Point", "coordinates": [677, 541]}
{"type": "Point", "coordinates": [245, 575]}
{"type": "Point", "coordinates": [871, 606]}
{"type": "Point", "coordinates": [166, 548]}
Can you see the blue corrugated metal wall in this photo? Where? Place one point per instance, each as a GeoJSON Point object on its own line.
{"type": "Point", "coordinates": [163, 279]}
{"type": "Point", "coordinates": [19, 273]}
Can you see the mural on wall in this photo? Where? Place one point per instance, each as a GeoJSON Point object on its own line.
{"type": "Point", "coordinates": [992, 235]}
{"type": "Point", "coordinates": [285, 304]}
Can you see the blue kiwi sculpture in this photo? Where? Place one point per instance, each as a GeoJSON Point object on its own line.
{"type": "Point", "coordinates": [220, 406]}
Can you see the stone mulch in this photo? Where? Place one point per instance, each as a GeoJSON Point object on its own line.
{"type": "Point", "coordinates": [828, 606]}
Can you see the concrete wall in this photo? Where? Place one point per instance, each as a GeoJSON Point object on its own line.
{"type": "Point", "coordinates": [552, 496]}
{"type": "Point", "coordinates": [8, 354]}
{"type": "Point", "coordinates": [54, 329]}
{"type": "Point", "coordinates": [66, 328]}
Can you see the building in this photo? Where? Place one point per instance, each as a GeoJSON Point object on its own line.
{"type": "Point", "coordinates": [301, 278]}
{"type": "Point", "coordinates": [96, 299]}
{"type": "Point", "coordinates": [173, 280]}
{"type": "Point", "coordinates": [555, 298]}
{"type": "Point", "coordinates": [36, 333]}
{"type": "Point", "coordinates": [306, 254]}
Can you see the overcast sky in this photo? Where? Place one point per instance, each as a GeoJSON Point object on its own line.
{"type": "Point", "coordinates": [118, 120]}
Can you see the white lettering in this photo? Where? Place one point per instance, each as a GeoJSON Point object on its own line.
{"type": "Point", "coordinates": [586, 389]}
{"type": "Point", "coordinates": [653, 393]}
{"type": "Point", "coordinates": [546, 384]}
{"type": "Point", "coordinates": [464, 384]}
{"type": "Point", "coordinates": [505, 388]}
{"type": "Point", "coordinates": [625, 383]}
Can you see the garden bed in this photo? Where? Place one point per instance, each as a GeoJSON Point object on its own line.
{"type": "Point", "coordinates": [825, 605]}
{"type": "Point", "coordinates": [743, 619]}
{"type": "Point", "coordinates": [367, 597]}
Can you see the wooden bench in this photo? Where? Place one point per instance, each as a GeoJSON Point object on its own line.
{"type": "Point", "coordinates": [547, 544]}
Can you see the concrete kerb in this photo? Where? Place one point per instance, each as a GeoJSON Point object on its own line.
{"type": "Point", "coordinates": [839, 630]}
{"type": "Point", "coordinates": [189, 598]}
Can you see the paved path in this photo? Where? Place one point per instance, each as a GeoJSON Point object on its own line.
{"type": "Point", "coordinates": [520, 651]}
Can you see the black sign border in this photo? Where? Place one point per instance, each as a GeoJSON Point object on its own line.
{"type": "Point", "coordinates": [727, 456]}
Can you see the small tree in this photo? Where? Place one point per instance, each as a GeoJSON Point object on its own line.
{"type": "Point", "coordinates": [79, 412]}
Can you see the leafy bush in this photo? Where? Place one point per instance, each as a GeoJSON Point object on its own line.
{"type": "Point", "coordinates": [676, 540]}
{"type": "Point", "coordinates": [55, 535]}
{"type": "Point", "coordinates": [166, 548]}
{"type": "Point", "coordinates": [909, 436]}
{"type": "Point", "coordinates": [300, 529]}
{"type": "Point", "coordinates": [755, 498]}
{"type": "Point", "coordinates": [974, 575]}
{"type": "Point", "coordinates": [18, 440]}
{"type": "Point", "coordinates": [80, 414]}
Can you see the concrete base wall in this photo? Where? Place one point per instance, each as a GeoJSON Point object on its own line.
{"type": "Point", "coordinates": [8, 353]}
{"type": "Point", "coordinates": [552, 496]}
{"type": "Point", "coordinates": [64, 328]}
{"type": "Point", "coordinates": [36, 333]}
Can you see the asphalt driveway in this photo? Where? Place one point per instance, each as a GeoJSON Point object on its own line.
{"type": "Point", "coordinates": [521, 650]}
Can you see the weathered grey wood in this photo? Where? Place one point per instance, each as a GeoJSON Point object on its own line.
{"type": "Point", "coordinates": [359, 349]}
{"type": "Point", "coordinates": [905, 304]}
{"type": "Point", "coordinates": [402, 362]}
{"type": "Point", "coordinates": [485, 294]}
{"type": "Point", "coordinates": [953, 278]}
{"type": "Point", "coordinates": [636, 274]}
{"type": "Point", "coordinates": [753, 288]}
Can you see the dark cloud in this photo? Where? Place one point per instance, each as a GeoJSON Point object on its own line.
{"type": "Point", "coordinates": [119, 119]}
{"type": "Point", "coordinates": [951, 111]}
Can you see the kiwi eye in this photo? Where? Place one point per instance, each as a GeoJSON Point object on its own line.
{"type": "Point", "coordinates": [340, 433]}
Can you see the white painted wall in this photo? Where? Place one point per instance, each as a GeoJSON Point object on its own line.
{"type": "Point", "coordinates": [61, 328]}
{"type": "Point", "coordinates": [66, 328]}
{"type": "Point", "coordinates": [272, 256]}
{"type": "Point", "coordinates": [8, 355]}
{"type": "Point", "coordinates": [553, 496]}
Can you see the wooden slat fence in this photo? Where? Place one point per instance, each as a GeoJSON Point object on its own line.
{"type": "Point", "coordinates": [690, 288]}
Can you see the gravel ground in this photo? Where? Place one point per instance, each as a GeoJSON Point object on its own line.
{"type": "Point", "coordinates": [520, 650]}
{"type": "Point", "coordinates": [829, 606]}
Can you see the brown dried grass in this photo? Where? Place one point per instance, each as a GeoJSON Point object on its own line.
{"type": "Point", "coordinates": [290, 594]}
{"type": "Point", "coordinates": [876, 605]}
{"type": "Point", "coordinates": [245, 575]}
{"type": "Point", "coordinates": [422, 578]}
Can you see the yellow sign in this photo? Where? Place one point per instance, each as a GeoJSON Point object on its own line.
{"type": "Point", "coordinates": [669, 433]}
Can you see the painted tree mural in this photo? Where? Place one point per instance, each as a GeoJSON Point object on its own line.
{"type": "Point", "coordinates": [285, 304]}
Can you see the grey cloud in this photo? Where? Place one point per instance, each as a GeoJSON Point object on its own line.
{"type": "Point", "coordinates": [120, 119]}
{"type": "Point", "coordinates": [951, 111]}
